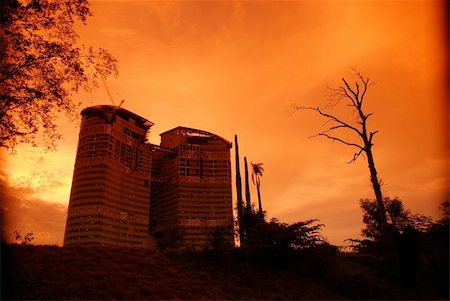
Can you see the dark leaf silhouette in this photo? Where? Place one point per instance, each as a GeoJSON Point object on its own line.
{"type": "Point", "coordinates": [42, 67]}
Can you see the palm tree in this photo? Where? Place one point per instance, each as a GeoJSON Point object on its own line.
{"type": "Point", "coordinates": [257, 172]}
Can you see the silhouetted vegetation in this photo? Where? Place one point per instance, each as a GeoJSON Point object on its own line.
{"type": "Point", "coordinates": [273, 241]}
{"type": "Point", "coordinates": [220, 243]}
{"type": "Point", "coordinates": [276, 261]}
{"type": "Point", "coordinates": [24, 240]}
{"type": "Point", "coordinates": [50, 272]}
{"type": "Point", "coordinates": [172, 238]}
{"type": "Point", "coordinates": [399, 244]}
{"type": "Point", "coordinates": [270, 241]}
{"type": "Point", "coordinates": [42, 66]}
{"type": "Point", "coordinates": [399, 220]}
{"type": "Point", "coordinates": [435, 252]}
{"type": "Point", "coordinates": [417, 246]}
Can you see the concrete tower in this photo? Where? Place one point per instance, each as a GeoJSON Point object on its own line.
{"type": "Point", "coordinates": [110, 196]}
{"type": "Point", "coordinates": [194, 194]}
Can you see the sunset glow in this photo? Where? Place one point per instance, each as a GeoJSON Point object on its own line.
{"type": "Point", "coordinates": [237, 67]}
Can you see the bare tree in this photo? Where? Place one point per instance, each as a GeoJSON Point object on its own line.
{"type": "Point", "coordinates": [353, 96]}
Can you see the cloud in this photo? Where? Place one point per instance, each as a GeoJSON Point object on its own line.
{"type": "Point", "coordinates": [22, 212]}
{"type": "Point", "coordinates": [46, 175]}
{"type": "Point", "coordinates": [42, 181]}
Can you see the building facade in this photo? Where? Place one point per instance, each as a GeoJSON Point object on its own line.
{"type": "Point", "coordinates": [194, 194]}
{"type": "Point", "coordinates": [109, 200]}
{"type": "Point", "coordinates": [125, 189]}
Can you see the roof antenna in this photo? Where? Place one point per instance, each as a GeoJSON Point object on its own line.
{"type": "Point", "coordinates": [108, 92]}
{"type": "Point", "coordinates": [110, 96]}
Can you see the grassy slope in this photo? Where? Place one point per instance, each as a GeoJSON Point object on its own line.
{"type": "Point", "coordinates": [47, 272]}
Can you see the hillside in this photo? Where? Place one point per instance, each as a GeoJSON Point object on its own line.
{"type": "Point", "coordinates": [50, 272]}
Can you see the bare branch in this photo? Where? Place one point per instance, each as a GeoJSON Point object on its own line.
{"type": "Point", "coordinates": [371, 136]}
{"type": "Point", "coordinates": [367, 116]}
{"type": "Point", "coordinates": [336, 95]}
{"type": "Point", "coordinates": [344, 93]}
{"type": "Point", "coordinates": [350, 89]}
{"type": "Point", "coordinates": [367, 83]}
{"type": "Point", "coordinates": [334, 128]}
{"type": "Point", "coordinates": [338, 139]}
{"type": "Point", "coordinates": [351, 98]}
{"type": "Point", "coordinates": [331, 117]}
{"type": "Point", "coordinates": [355, 156]}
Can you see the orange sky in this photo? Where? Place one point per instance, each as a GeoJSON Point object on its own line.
{"type": "Point", "coordinates": [237, 67]}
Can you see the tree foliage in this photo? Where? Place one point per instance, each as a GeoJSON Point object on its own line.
{"type": "Point", "coordinates": [23, 240]}
{"type": "Point", "coordinates": [171, 238]}
{"type": "Point", "coordinates": [417, 243]}
{"type": "Point", "coordinates": [43, 66]}
{"type": "Point", "coordinates": [221, 239]}
{"type": "Point", "coordinates": [274, 240]}
{"type": "Point", "coordinates": [398, 217]}
{"type": "Point", "coordinates": [439, 231]}
{"type": "Point", "coordinates": [399, 220]}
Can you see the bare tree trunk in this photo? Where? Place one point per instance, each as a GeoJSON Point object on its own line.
{"type": "Point", "coordinates": [247, 187]}
{"type": "Point", "coordinates": [239, 191]}
{"type": "Point", "coordinates": [259, 198]}
{"type": "Point", "coordinates": [376, 188]}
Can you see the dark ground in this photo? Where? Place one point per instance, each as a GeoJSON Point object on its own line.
{"type": "Point", "coordinates": [50, 272]}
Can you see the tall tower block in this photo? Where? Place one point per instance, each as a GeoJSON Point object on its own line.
{"type": "Point", "coordinates": [195, 196]}
{"type": "Point", "coordinates": [110, 196]}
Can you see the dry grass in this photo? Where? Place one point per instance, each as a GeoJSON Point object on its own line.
{"type": "Point", "coordinates": [48, 272]}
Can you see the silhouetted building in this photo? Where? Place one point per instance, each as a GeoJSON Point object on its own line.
{"type": "Point", "coordinates": [194, 194]}
{"type": "Point", "coordinates": [124, 189]}
{"type": "Point", "coordinates": [109, 200]}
